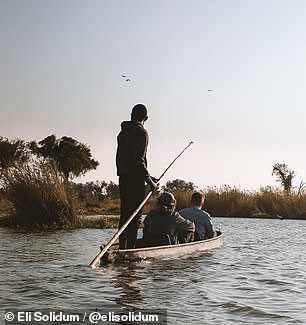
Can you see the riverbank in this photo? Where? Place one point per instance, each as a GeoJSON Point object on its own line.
{"type": "Point", "coordinates": [82, 222]}
{"type": "Point", "coordinates": [226, 201]}
{"type": "Point", "coordinates": [112, 222]}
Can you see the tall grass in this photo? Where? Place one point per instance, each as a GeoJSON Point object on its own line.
{"type": "Point", "coordinates": [93, 206]}
{"type": "Point", "coordinates": [227, 201]}
{"type": "Point", "coordinates": [34, 195]}
{"type": "Point", "coordinates": [266, 202]}
{"type": "Point", "coordinates": [38, 196]}
{"type": "Point", "coordinates": [230, 201]}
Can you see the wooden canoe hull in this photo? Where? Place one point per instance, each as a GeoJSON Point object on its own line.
{"type": "Point", "coordinates": [114, 254]}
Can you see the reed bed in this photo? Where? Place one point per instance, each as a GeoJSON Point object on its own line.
{"type": "Point", "coordinates": [95, 206]}
{"type": "Point", "coordinates": [267, 202]}
{"type": "Point", "coordinates": [35, 196]}
{"type": "Point", "coordinates": [227, 201]}
{"type": "Point", "coordinates": [38, 196]}
{"type": "Point", "coordinates": [99, 222]}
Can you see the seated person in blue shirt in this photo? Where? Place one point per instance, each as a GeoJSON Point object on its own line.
{"type": "Point", "coordinates": [203, 225]}
{"type": "Point", "coordinates": [163, 225]}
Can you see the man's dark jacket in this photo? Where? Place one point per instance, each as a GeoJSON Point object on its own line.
{"type": "Point", "coordinates": [162, 220]}
{"type": "Point", "coordinates": [131, 150]}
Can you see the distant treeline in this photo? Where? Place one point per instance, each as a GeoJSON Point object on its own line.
{"type": "Point", "coordinates": [267, 202]}
{"type": "Point", "coordinates": [102, 198]}
{"type": "Point", "coordinates": [37, 189]}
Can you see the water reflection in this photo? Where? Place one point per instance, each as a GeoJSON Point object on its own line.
{"type": "Point", "coordinates": [126, 277]}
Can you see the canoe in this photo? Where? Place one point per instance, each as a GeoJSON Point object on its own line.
{"type": "Point", "coordinates": [114, 254]}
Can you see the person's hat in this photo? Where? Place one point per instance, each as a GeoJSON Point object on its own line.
{"type": "Point", "coordinates": [139, 112]}
{"type": "Point", "coordinates": [167, 199]}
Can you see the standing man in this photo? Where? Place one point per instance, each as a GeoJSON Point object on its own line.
{"type": "Point", "coordinates": [203, 225]}
{"type": "Point", "coordinates": [132, 170]}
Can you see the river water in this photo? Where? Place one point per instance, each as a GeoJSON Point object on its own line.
{"type": "Point", "coordinates": [258, 277]}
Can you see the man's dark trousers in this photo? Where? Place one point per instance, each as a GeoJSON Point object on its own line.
{"type": "Point", "coordinates": [132, 193]}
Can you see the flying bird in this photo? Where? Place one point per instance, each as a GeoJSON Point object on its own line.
{"type": "Point", "coordinates": [126, 78]}
{"type": "Point", "coordinates": [209, 90]}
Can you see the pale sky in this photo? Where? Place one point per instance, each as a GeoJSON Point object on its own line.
{"type": "Point", "coordinates": [61, 71]}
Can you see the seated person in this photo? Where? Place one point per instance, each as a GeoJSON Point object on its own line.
{"type": "Point", "coordinates": [203, 225]}
{"type": "Point", "coordinates": [164, 222]}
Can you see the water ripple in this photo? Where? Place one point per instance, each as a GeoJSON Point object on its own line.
{"type": "Point", "coordinates": [251, 280]}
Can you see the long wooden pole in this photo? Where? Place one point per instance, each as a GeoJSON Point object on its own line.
{"type": "Point", "coordinates": [119, 232]}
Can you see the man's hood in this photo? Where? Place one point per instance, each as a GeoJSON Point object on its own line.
{"type": "Point", "coordinates": [126, 126]}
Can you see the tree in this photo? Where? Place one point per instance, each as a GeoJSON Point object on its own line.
{"type": "Point", "coordinates": [284, 176]}
{"type": "Point", "coordinates": [72, 158]}
{"type": "Point", "coordinates": [95, 189]}
{"type": "Point", "coordinates": [178, 185]}
{"type": "Point", "coordinates": [113, 190]}
{"type": "Point", "coordinates": [12, 152]}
